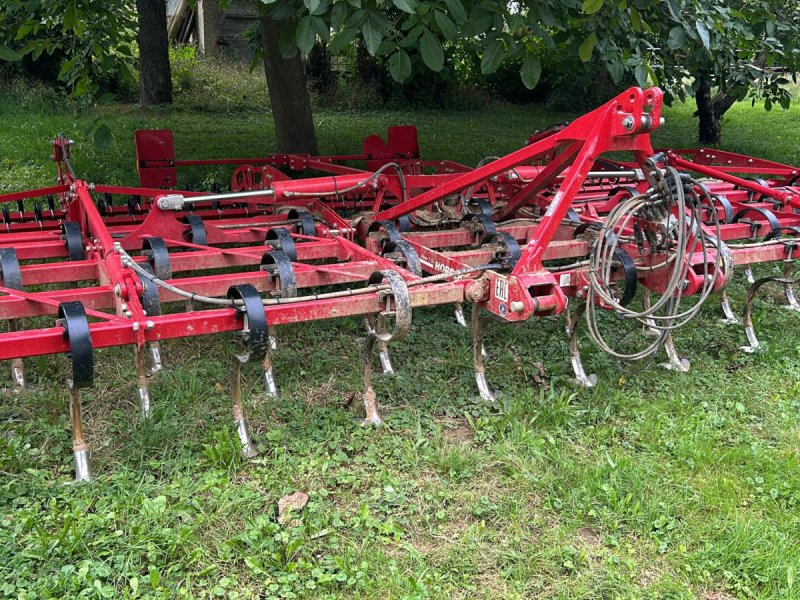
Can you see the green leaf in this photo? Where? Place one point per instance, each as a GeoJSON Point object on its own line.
{"type": "Point", "coordinates": [674, 10]}
{"type": "Point", "coordinates": [447, 27]}
{"type": "Point", "coordinates": [8, 54]}
{"type": "Point", "coordinates": [342, 40]}
{"type": "Point", "coordinates": [457, 10]}
{"type": "Point", "coordinates": [530, 71]}
{"type": "Point", "coordinates": [102, 137]}
{"type": "Point", "coordinates": [432, 53]}
{"type": "Point", "coordinates": [311, 5]}
{"type": "Point", "coordinates": [591, 6]}
{"type": "Point", "coordinates": [338, 14]}
{"type": "Point", "coordinates": [587, 47]}
{"type": "Point", "coordinates": [493, 55]}
{"type": "Point", "coordinates": [405, 5]}
{"type": "Point", "coordinates": [702, 31]}
{"type": "Point", "coordinates": [305, 35]}
{"type": "Point", "coordinates": [400, 66]}
{"type": "Point", "coordinates": [372, 36]}
{"type": "Point", "coordinates": [676, 38]}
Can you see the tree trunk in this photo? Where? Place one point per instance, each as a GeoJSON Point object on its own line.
{"type": "Point", "coordinates": [155, 79]}
{"type": "Point", "coordinates": [709, 128]}
{"type": "Point", "coordinates": [288, 94]}
{"type": "Point", "coordinates": [208, 26]}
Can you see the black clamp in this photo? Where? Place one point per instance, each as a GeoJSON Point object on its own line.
{"type": "Point", "coordinates": [726, 207]}
{"type": "Point", "coordinates": [73, 240]}
{"type": "Point", "coordinates": [774, 224]}
{"type": "Point", "coordinates": [406, 250]}
{"type": "Point", "coordinates": [776, 233]}
{"type": "Point", "coordinates": [155, 249]}
{"type": "Point", "coordinates": [281, 239]}
{"type": "Point", "coordinates": [197, 231]}
{"type": "Point", "coordinates": [400, 308]}
{"type": "Point", "coordinates": [631, 277]}
{"type": "Point", "coordinates": [306, 224]}
{"type": "Point", "coordinates": [9, 269]}
{"type": "Point", "coordinates": [151, 303]}
{"type": "Point", "coordinates": [484, 222]}
{"type": "Point", "coordinates": [6, 214]}
{"type": "Point", "coordinates": [255, 319]}
{"type": "Point", "coordinates": [512, 251]}
{"type": "Point", "coordinates": [389, 227]}
{"type": "Point", "coordinates": [278, 263]}
{"type": "Point", "coordinates": [72, 317]}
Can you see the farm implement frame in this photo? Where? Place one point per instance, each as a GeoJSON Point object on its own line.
{"type": "Point", "coordinates": [585, 218]}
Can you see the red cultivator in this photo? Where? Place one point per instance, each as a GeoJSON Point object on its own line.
{"type": "Point", "coordinates": [563, 221]}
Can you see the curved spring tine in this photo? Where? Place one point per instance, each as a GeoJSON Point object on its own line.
{"type": "Point", "coordinates": [749, 330]}
{"type": "Point", "coordinates": [650, 328]}
{"type": "Point", "coordinates": [478, 353]}
{"type": "Point", "coordinates": [674, 362]}
{"type": "Point", "coordinates": [80, 451]}
{"type": "Point", "coordinates": [725, 304]}
{"type": "Point", "coordinates": [788, 287]}
{"type": "Point", "coordinates": [460, 315]}
{"type": "Point", "coordinates": [371, 414]}
{"type": "Point", "coordinates": [154, 349]}
{"type": "Point", "coordinates": [249, 449]}
{"type": "Point", "coordinates": [571, 319]}
{"type": "Point", "coordinates": [141, 378]}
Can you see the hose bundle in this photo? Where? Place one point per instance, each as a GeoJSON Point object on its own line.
{"type": "Point", "coordinates": [673, 210]}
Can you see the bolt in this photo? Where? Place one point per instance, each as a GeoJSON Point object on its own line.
{"type": "Point", "coordinates": [150, 324]}
{"type": "Point", "coordinates": [628, 122]}
{"type": "Point", "coordinates": [517, 307]}
{"type": "Point", "coordinates": [136, 325]}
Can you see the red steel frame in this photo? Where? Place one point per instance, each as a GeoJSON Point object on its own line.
{"type": "Point", "coordinates": [536, 196]}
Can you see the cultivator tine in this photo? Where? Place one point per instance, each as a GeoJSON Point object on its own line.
{"type": "Point", "coordinates": [478, 325]}
{"type": "Point", "coordinates": [80, 451]}
{"type": "Point", "coordinates": [373, 324]}
{"type": "Point", "coordinates": [371, 414]}
{"type": "Point", "coordinates": [154, 350]}
{"type": "Point", "coordinates": [572, 319]}
{"type": "Point", "coordinates": [460, 314]}
{"type": "Point", "coordinates": [748, 273]}
{"type": "Point", "coordinates": [674, 361]}
{"type": "Point", "coordinates": [788, 287]}
{"type": "Point", "coordinates": [141, 378]}
{"type": "Point", "coordinates": [269, 378]}
{"type": "Point", "coordinates": [72, 318]}
{"type": "Point", "coordinates": [255, 333]}
{"type": "Point", "coordinates": [725, 304]}
{"type": "Point", "coordinates": [249, 449]}
{"type": "Point", "coordinates": [397, 304]}
{"type": "Point", "coordinates": [749, 329]}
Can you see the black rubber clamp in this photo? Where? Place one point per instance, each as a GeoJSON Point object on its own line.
{"type": "Point", "coordinates": [9, 269]}
{"type": "Point", "coordinates": [197, 231]}
{"type": "Point", "coordinates": [280, 264]}
{"type": "Point", "coordinates": [281, 239]}
{"type": "Point", "coordinates": [410, 255]}
{"type": "Point", "coordinates": [73, 240]}
{"type": "Point", "coordinates": [155, 249]}
{"type": "Point", "coordinates": [72, 317]}
{"type": "Point", "coordinates": [255, 327]}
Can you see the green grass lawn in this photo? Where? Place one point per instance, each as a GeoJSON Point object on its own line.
{"type": "Point", "coordinates": [653, 485]}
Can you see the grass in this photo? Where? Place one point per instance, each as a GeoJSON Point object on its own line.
{"type": "Point", "coordinates": [652, 485]}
